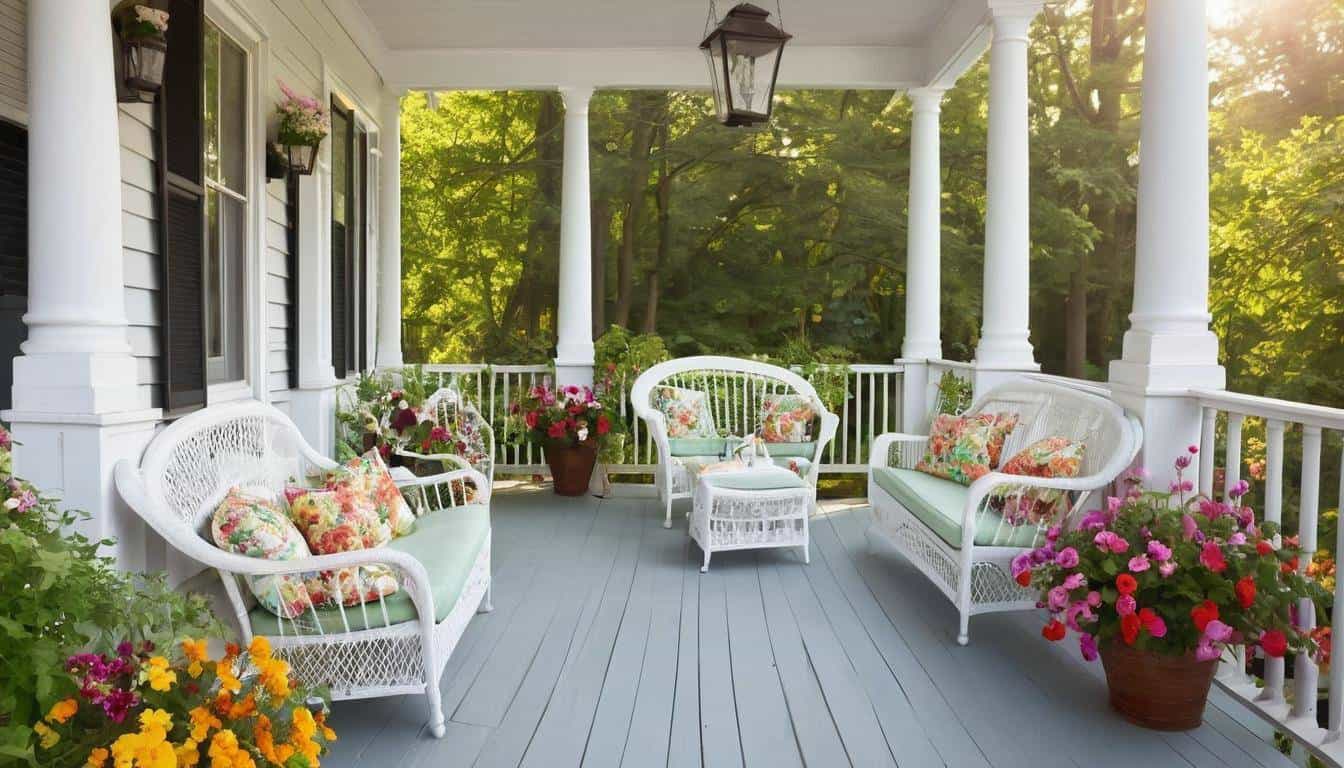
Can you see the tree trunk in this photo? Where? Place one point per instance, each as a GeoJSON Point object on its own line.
{"type": "Point", "coordinates": [601, 232]}
{"type": "Point", "coordinates": [664, 235]}
{"type": "Point", "coordinates": [1075, 322]}
{"type": "Point", "coordinates": [644, 108]}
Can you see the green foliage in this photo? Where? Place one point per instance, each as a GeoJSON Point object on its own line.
{"type": "Point", "coordinates": [954, 393]}
{"type": "Point", "coordinates": [63, 597]}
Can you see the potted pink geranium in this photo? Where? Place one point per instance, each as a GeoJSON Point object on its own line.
{"type": "Point", "coordinates": [568, 423]}
{"type": "Point", "coordinates": [1158, 585]}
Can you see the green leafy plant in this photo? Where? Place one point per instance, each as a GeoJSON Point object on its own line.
{"type": "Point", "coordinates": [955, 393]}
{"type": "Point", "coordinates": [63, 597]}
{"type": "Point", "coordinates": [825, 367]}
{"type": "Point", "coordinates": [619, 357]}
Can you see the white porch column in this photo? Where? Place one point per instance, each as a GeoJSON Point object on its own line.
{"type": "Point", "coordinates": [389, 245]}
{"type": "Point", "coordinates": [77, 408]}
{"type": "Point", "coordinates": [574, 310]}
{"type": "Point", "coordinates": [1169, 347]}
{"type": "Point", "coordinates": [924, 232]}
{"type": "Point", "coordinates": [1004, 344]}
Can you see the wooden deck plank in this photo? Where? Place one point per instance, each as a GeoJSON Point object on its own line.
{"type": "Point", "coordinates": [571, 589]}
{"type": "Point", "coordinates": [720, 743]}
{"type": "Point", "coordinates": [684, 749]}
{"type": "Point", "coordinates": [852, 712]}
{"type": "Point", "coordinates": [563, 731]}
{"type": "Point", "coordinates": [813, 723]}
{"type": "Point", "coordinates": [763, 722]}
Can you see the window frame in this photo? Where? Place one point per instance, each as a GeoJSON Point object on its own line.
{"type": "Point", "coordinates": [242, 29]}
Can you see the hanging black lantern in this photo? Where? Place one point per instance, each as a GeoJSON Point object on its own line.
{"type": "Point", "coordinates": [144, 48]}
{"type": "Point", "coordinates": [743, 53]}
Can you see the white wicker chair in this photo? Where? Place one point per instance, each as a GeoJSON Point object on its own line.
{"type": "Point", "coordinates": [976, 576]}
{"type": "Point", "coordinates": [357, 652]}
{"type": "Point", "coordinates": [735, 388]}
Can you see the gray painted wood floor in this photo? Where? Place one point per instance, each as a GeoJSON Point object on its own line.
{"type": "Point", "coordinates": [608, 648]}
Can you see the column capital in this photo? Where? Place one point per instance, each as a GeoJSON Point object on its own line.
{"type": "Point", "coordinates": [576, 98]}
{"type": "Point", "coordinates": [926, 99]}
{"type": "Point", "coordinates": [1012, 18]}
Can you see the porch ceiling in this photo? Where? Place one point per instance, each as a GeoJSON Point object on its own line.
{"type": "Point", "coordinates": [652, 43]}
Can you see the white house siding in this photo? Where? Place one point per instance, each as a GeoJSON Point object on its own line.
{"type": "Point", "coordinates": [13, 69]}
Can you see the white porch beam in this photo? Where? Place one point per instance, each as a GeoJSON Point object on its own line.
{"type": "Point", "coordinates": [924, 230]}
{"type": "Point", "coordinates": [574, 308]}
{"type": "Point", "coordinates": [389, 246]}
{"type": "Point", "coordinates": [1004, 343]}
{"type": "Point", "coordinates": [1169, 348]}
{"type": "Point", "coordinates": [684, 67]}
{"type": "Point", "coordinates": [75, 406]}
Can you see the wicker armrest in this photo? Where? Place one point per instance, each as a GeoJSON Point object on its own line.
{"type": "Point", "coordinates": [910, 449]}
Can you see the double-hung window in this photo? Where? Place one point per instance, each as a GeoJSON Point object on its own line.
{"type": "Point", "coordinates": [226, 206]}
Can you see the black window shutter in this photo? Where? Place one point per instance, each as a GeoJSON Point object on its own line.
{"type": "Point", "coordinates": [13, 249]}
{"type": "Point", "coordinates": [292, 262]}
{"type": "Point", "coordinates": [361, 274]}
{"type": "Point", "coordinates": [341, 249]}
{"type": "Point", "coordinates": [182, 210]}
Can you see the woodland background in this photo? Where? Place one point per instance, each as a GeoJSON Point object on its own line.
{"type": "Point", "coordinates": [736, 241]}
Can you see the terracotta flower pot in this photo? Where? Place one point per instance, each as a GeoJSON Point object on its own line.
{"type": "Point", "coordinates": [1165, 693]}
{"type": "Point", "coordinates": [571, 466]}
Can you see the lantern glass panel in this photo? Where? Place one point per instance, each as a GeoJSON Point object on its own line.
{"type": "Point", "coordinates": [717, 73]}
{"type": "Point", "coordinates": [751, 74]}
{"type": "Point", "coordinates": [301, 158]}
{"type": "Point", "coordinates": [144, 60]}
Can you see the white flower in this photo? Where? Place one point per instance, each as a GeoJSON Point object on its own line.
{"type": "Point", "coordinates": [403, 404]}
{"type": "Point", "coordinates": [583, 434]}
{"type": "Point", "coordinates": [152, 16]}
{"type": "Point", "coordinates": [12, 503]}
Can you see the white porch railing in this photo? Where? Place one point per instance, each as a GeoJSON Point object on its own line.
{"type": "Point", "coordinates": [1291, 710]}
{"type": "Point", "coordinates": [872, 406]}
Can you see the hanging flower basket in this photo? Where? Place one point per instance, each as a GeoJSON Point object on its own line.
{"type": "Point", "coordinates": [144, 47]}
{"type": "Point", "coordinates": [303, 124]}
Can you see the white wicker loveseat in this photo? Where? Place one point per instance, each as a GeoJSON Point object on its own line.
{"type": "Point", "coordinates": [735, 389]}
{"type": "Point", "coordinates": [951, 532]}
{"type": "Point", "coordinates": [395, 645]}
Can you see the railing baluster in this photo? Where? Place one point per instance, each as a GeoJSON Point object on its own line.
{"type": "Point", "coordinates": [1305, 672]}
{"type": "Point", "coordinates": [1273, 512]}
{"type": "Point", "coordinates": [1207, 433]}
{"type": "Point", "coordinates": [1232, 461]}
{"type": "Point", "coordinates": [1337, 620]}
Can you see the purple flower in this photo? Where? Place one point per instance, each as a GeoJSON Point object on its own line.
{"type": "Point", "coordinates": [117, 703]}
{"type": "Point", "coordinates": [1052, 535]}
{"type": "Point", "coordinates": [1067, 558]}
{"type": "Point", "coordinates": [1237, 539]}
{"type": "Point", "coordinates": [125, 649]}
{"type": "Point", "coordinates": [1138, 563]}
{"type": "Point", "coordinates": [1021, 563]}
{"type": "Point", "coordinates": [1058, 598]}
{"type": "Point", "coordinates": [1095, 519]}
{"type": "Point", "coordinates": [1074, 581]}
{"type": "Point", "coordinates": [1094, 598]}
{"type": "Point", "coordinates": [1079, 610]}
{"type": "Point", "coordinates": [1113, 505]}
{"type": "Point", "coordinates": [1159, 551]}
{"type": "Point", "coordinates": [1182, 462]}
{"type": "Point", "coordinates": [1126, 604]}
{"type": "Point", "coordinates": [1206, 651]}
{"type": "Point", "coordinates": [1189, 527]}
{"type": "Point", "coordinates": [1239, 490]}
{"type": "Point", "coordinates": [1217, 631]}
{"type": "Point", "coordinates": [1087, 645]}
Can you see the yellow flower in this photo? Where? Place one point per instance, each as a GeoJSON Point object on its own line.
{"type": "Point", "coordinates": [275, 677]}
{"type": "Point", "coordinates": [188, 754]}
{"type": "Point", "coordinates": [97, 758]}
{"type": "Point", "coordinates": [259, 650]}
{"type": "Point", "coordinates": [195, 652]}
{"type": "Point", "coordinates": [303, 722]}
{"type": "Point", "coordinates": [202, 720]}
{"type": "Point", "coordinates": [63, 710]}
{"type": "Point", "coordinates": [161, 678]}
{"type": "Point", "coordinates": [225, 752]}
{"type": "Point", "coordinates": [321, 720]}
{"type": "Point", "coordinates": [228, 681]}
{"type": "Point", "coordinates": [155, 723]}
{"type": "Point", "coordinates": [245, 708]}
{"type": "Point", "coordinates": [47, 738]}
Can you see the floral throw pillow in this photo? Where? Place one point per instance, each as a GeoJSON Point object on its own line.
{"type": "Point", "coordinates": [332, 524]}
{"type": "Point", "coordinates": [245, 524]}
{"type": "Point", "coordinates": [686, 411]}
{"type": "Point", "coordinates": [1051, 457]}
{"type": "Point", "coordinates": [959, 448]}
{"type": "Point", "coordinates": [1001, 424]}
{"type": "Point", "coordinates": [786, 418]}
{"type": "Point", "coordinates": [365, 481]}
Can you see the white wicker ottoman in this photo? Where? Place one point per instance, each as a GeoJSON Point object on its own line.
{"type": "Point", "coordinates": [755, 508]}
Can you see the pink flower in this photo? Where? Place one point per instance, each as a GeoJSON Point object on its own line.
{"type": "Point", "coordinates": [1079, 609]}
{"type": "Point", "coordinates": [1113, 504]}
{"type": "Point", "coordinates": [1067, 558]}
{"type": "Point", "coordinates": [1155, 625]}
{"type": "Point", "coordinates": [1167, 568]}
{"type": "Point", "coordinates": [1182, 462]}
{"type": "Point", "coordinates": [1110, 541]}
{"type": "Point", "coordinates": [1192, 448]}
{"type": "Point", "coordinates": [1217, 631]}
{"type": "Point", "coordinates": [1020, 564]}
{"type": "Point", "coordinates": [1159, 551]}
{"type": "Point", "coordinates": [1239, 490]}
{"type": "Point", "coordinates": [1211, 557]}
{"type": "Point", "coordinates": [1052, 535]}
{"type": "Point", "coordinates": [1138, 563]}
{"type": "Point", "coordinates": [1126, 604]}
{"type": "Point", "coordinates": [1059, 598]}
{"type": "Point", "coordinates": [1094, 598]}
{"type": "Point", "coordinates": [1188, 527]}
{"type": "Point", "coordinates": [1206, 651]}
{"type": "Point", "coordinates": [1237, 539]}
{"type": "Point", "coordinates": [1074, 581]}
{"type": "Point", "coordinates": [1087, 645]}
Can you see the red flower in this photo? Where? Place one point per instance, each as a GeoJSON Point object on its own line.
{"type": "Point", "coordinates": [1129, 628]}
{"type": "Point", "coordinates": [577, 408]}
{"type": "Point", "coordinates": [1024, 578]}
{"type": "Point", "coordinates": [1053, 631]}
{"type": "Point", "coordinates": [1274, 643]}
{"type": "Point", "coordinates": [1126, 584]}
{"type": "Point", "coordinates": [530, 419]}
{"type": "Point", "coordinates": [1246, 591]}
{"type": "Point", "coordinates": [1211, 557]}
{"type": "Point", "coordinates": [1204, 613]}
{"type": "Point", "coordinates": [1263, 548]}
{"type": "Point", "coordinates": [424, 445]}
{"type": "Point", "coordinates": [603, 424]}
{"type": "Point", "coordinates": [556, 430]}
{"type": "Point", "coordinates": [1289, 566]}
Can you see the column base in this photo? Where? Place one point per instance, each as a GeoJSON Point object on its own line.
{"type": "Point", "coordinates": [1007, 351]}
{"type": "Point", "coordinates": [72, 456]}
{"type": "Point", "coordinates": [1169, 361]}
{"type": "Point", "coordinates": [578, 372]}
{"type": "Point", "coordinates": [313, 410]}
{"type": "Point", "coordinates": [78, 383]}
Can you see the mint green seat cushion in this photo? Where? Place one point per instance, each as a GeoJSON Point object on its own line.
{"type": "Point", "coordinates": [791, 450]}
{"type": "Point", "coordinates": [696, 446]}
{"type": "Point", "coordinates": [939, 504]}
{"type": "Point", "coordinates": [753, 481]}
{"type": "Point", "coordinates": [445, 541]}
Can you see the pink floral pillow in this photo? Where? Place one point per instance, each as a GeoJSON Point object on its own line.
{"type": "Point", "coordinates": [365, 481]}
{"type": "Point", "coordinates": [1054, 457]}
{"type": "Point", "coordinates": [332, 523]}
{"type": "Point", "coordinates": [965, 448]}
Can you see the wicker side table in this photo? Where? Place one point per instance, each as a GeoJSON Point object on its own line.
{"type": "Point", "coordinates": [756, 508]}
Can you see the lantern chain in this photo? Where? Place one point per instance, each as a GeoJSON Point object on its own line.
{"type": "Point", "coordinates": [711, 20]}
